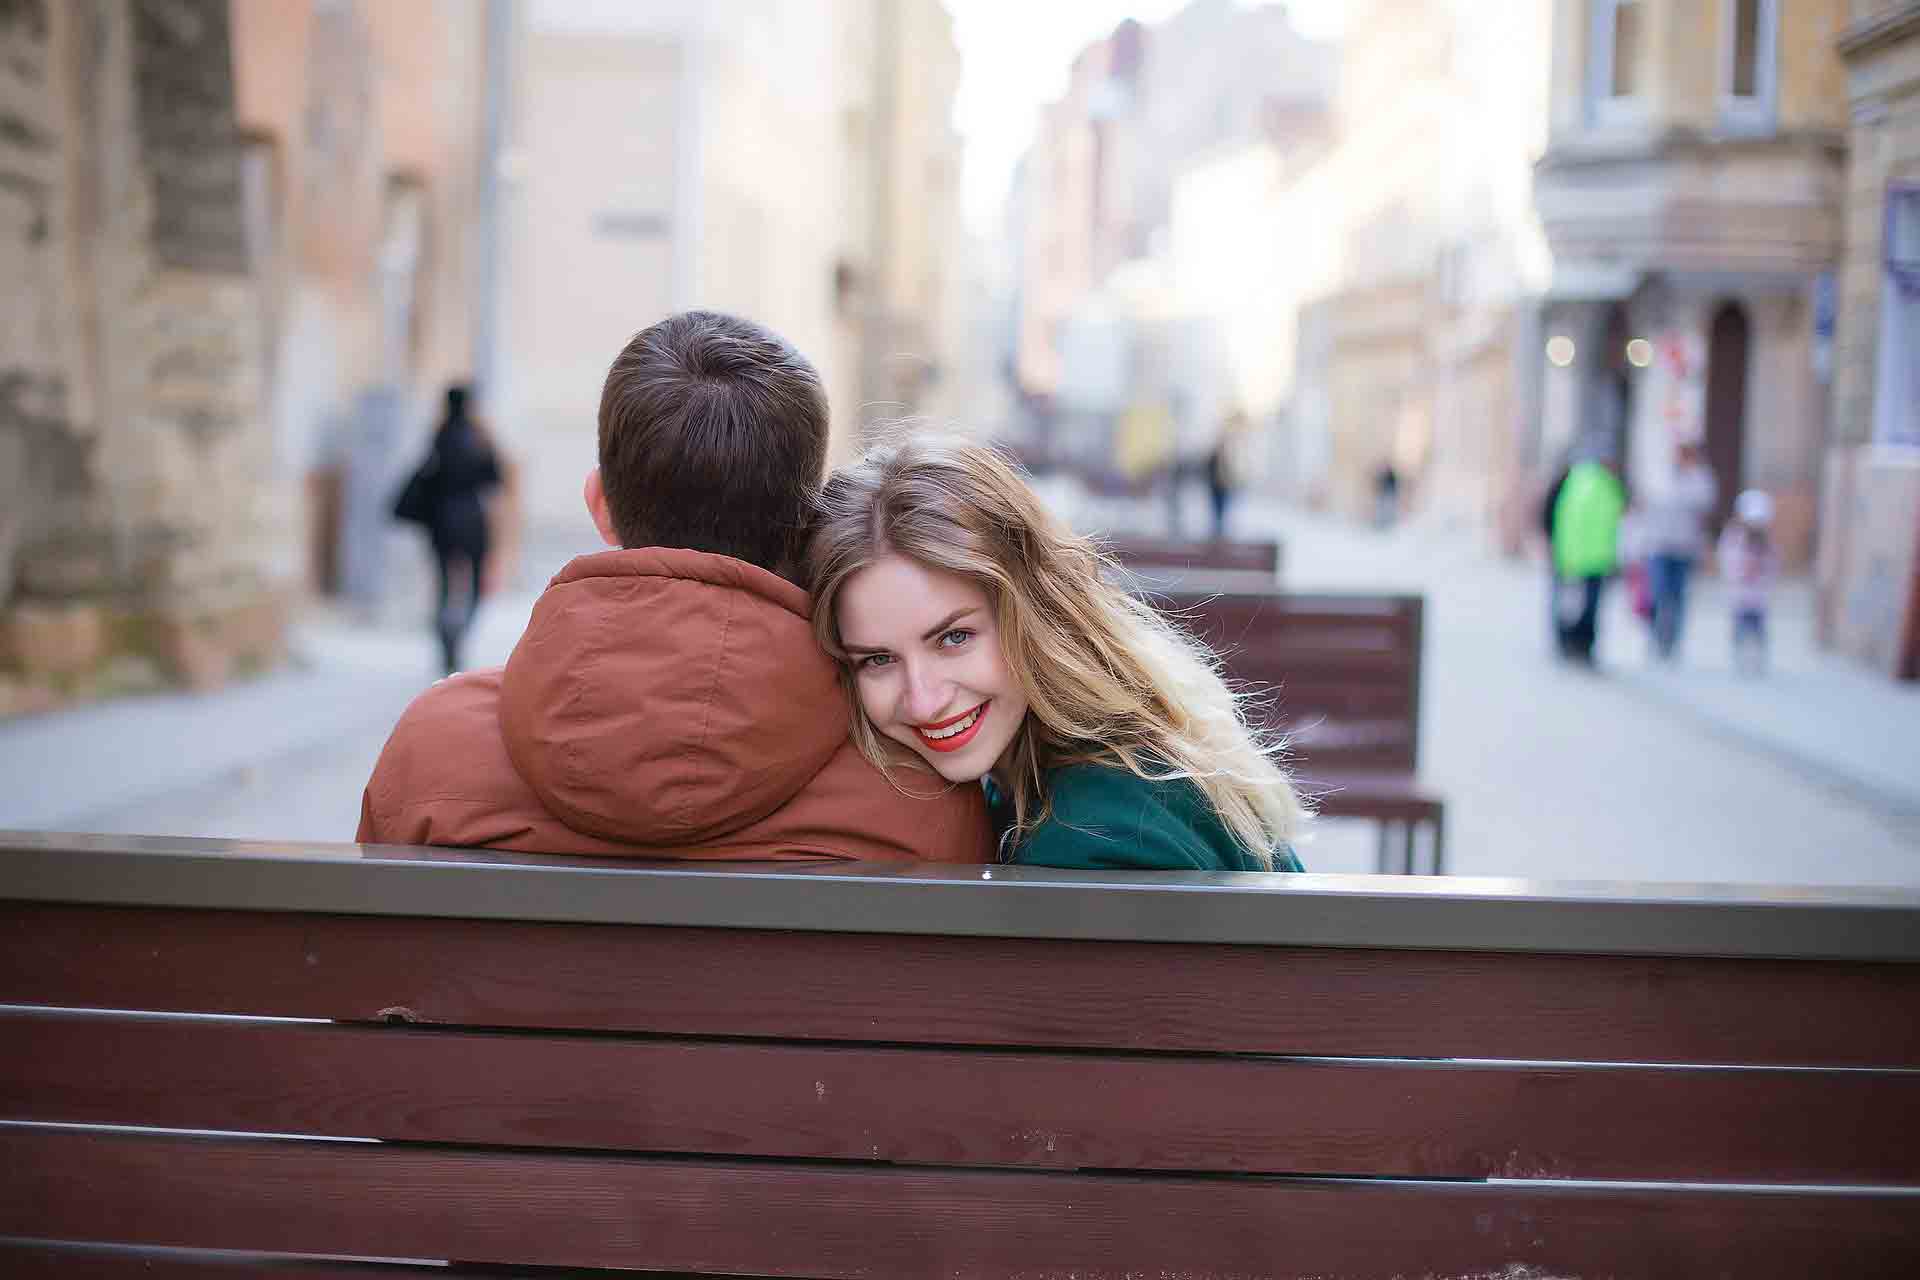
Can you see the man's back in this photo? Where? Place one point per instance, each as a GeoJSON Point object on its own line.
{"type": "Point", "coordinates": [662, 703]}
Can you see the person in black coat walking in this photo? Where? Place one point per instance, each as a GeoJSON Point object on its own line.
{"type": "Point", "coordinates": [448, 496]}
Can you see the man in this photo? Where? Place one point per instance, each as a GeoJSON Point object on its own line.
{"type": "Point", "coordinates": [668, 699]}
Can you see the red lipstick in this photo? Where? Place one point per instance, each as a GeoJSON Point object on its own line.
{"type": "Point", "coordinates": [958, 740]}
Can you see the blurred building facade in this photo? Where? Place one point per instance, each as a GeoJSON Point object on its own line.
{"type": "Point", "coordinates": [234, 236]}
{"type": "Point", "coordinates": [1692, 192]}
{"type": "Point", "coordinates": [1411, 357]}
{"type": "Point", "coordinates": [363, 126]}
{"type": "Point", "coordinates": [1869, 562]}
{"type": "Point", "coordinates": [1112, 352]}
{"type": "Point", "coordinates": [789, 160]}
{"type": "Point", "coordinates": [1339, 242]}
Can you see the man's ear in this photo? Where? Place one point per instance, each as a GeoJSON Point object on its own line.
{"type": "Point", "coordinates": [596, 496]}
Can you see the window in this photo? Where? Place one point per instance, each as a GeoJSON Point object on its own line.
{"type": "Point", "coordinates": [1616, 73]}
{"type": "Point", "coordinates": [1749, 39]}
{"type": "Point", "coordinates": [1897, 400]}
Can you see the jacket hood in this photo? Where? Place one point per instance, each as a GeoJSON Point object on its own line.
{"type": "Point", "coordinates": [669, 697]}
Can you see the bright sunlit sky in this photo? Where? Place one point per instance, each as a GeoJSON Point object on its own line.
{"type": "Point", "coordinates": [1014, 58]}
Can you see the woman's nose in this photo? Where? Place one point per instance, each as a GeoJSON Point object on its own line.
{"type": "Point", "coordinates": [927, 694]}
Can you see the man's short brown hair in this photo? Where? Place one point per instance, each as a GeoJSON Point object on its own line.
{"type": "Point", "coordinates": [713, 436]}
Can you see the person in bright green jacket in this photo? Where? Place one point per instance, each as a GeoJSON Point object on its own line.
{"type": "Point", "coordinates": [1586, 536]}
{"type": "Point", "coordinates": [984, 642]}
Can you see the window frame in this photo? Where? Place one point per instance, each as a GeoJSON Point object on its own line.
{"type": "Point", "coordinates": [1604, 107]}
{"type": "Point", "coordinates": [1757, 112]}
{"type": "Point", "coordinates": [1896, 418]}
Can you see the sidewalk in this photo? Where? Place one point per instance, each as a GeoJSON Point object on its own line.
{"type": "Point", "coordinates": [282, 755]}
{"type": "Point", "coordinates": [1827, 717]}
{"type": "Point", "coordinates": [1856, 730]}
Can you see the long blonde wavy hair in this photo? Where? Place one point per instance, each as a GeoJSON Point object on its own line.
{"type": "Point", "coordinates": [1107, 679]}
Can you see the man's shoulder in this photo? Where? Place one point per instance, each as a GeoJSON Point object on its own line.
{"type": "Point", "coordinates": [446, 748]}
{"type": "Point", "coordinates": [856, 811]}
{"type": "Point", "coordinates": [454, 706]}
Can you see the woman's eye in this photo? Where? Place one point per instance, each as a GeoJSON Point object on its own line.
{"type": "Point", "coordinates": [955, 638]}
{"type": "Point", "coordinates": [874, 661]}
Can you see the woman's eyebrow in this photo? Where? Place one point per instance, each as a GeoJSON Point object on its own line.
{"type": "Point", "coordinates": [947, 622]}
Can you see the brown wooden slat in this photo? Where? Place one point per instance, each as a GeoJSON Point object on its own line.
{"type": "Point", "coordinates": [964, 1108]}
{"type": "Point", "coordinates": [1271, 616]}
{"type": "Point", "coordinates": [56, 1260]}
{"type": "Point", "coordinates": [1305, 699]}
{"type": "Point", "coordinates": [38, 1260]}
{"type": "Point", "coordinates": [816, 1220]}
{"type": "Point", "coordinates": [1378, 652]}
{"type": "Point", "coordinates": [1184, 553]}
{"type": "Point", "coordinates": [996, 991]}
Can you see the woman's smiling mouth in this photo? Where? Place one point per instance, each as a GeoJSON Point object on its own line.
{"type": "Point", "coordinates": [951, 735]}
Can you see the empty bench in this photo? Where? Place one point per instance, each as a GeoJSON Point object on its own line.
{"type": "Point", "coordinates": [222, 1059]}
{"type": "Point", "coordinates": [1193, 564]}
{"type": "Point", "coordinates": [1339, 675]}
{"type": "Point", "coordinates": [1257, 561]}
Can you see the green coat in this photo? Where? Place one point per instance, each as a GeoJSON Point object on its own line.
{"type": "Point", "coordinates": [1107, 818]}
{"type": "Point", "coordinates": [1586, 522]}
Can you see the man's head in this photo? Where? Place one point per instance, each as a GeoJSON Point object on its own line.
{"type": "Point", "coordinates": [713, 436]}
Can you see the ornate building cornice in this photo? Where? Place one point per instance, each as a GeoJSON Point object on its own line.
{"type": "Point", "coordinates": [1886, 28]}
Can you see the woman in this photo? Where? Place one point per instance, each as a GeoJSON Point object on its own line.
{"type": "Point", "coordinates": [1675, 523]}
{"type": "Point", "coordinates": [459, 470]}
{"type": "Point", "coordinates": [982, 639]}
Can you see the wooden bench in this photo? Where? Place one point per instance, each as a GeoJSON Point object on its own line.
{"type": "Point", "coordinates": [1339, 674]}
{"type": "Point", "coordinates": [1189, 563]}
{"type": "Point", "coordinates": [222, 1059]}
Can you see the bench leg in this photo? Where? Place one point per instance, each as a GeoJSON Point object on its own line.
{"type": "Point", "coordinates": [1440, 843]}
{"type": "Point", "coordinates": [1408, 831]}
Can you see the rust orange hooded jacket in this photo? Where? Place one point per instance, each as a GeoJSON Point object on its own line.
{"type": "Point", "coordinates": [666, 704]}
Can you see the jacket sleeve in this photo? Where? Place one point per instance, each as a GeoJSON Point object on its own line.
{"type": "Point", "coordinates": [369, 831]}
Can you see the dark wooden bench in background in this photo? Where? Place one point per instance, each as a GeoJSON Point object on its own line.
{"type": "Point", "coordinates": [1173, 564]}
{"type": "Point", "coordinates": [1339, 674]}
{"type": "Point", "coordinates": [1261, 557]}
{"type": "Point", "coordinates": [301, 1055]}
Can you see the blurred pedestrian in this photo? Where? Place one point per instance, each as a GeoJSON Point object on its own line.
{"type": "Point", "coordinates": [1633, 565]}
{"type": "Point", "coordinates": [1386, 496]}
{"type": "Point", "coordinates": [1675, 525]}
{"type": "Point", "coordinates": [1548, 502]}
{"type": "Point", "coordinates": [1749, 565]}
{"type": "Point", "coordinates": [447, 496]}
{"type": "Point", "coordinates": [1586, 531]}
{"type": "Point", "coordinates": [1221, 468]}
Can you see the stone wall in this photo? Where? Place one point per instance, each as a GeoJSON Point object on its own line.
{"type": "Point", "coordinates": [44, 451]}
{"type": "Point", "coordinates": [132, 374]}
{"type": "Point", "coordinates": [1869, 568]}
{"type": "Point", "coordinates": [1885, 147]}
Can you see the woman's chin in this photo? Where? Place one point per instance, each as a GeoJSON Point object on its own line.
{"type": "Point", "coordinates": [965, 768]}
{"type": "Point", "coordinates": [953, 771]}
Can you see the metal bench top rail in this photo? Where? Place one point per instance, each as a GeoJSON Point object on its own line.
{"type": "Point", "coordinates": [1453, 913]}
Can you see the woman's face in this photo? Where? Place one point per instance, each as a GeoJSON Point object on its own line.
{"type": "Point", "coordinates": [928, 665]}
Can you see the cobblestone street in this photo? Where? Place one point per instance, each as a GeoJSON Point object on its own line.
{"type": "Point", "coordinates": [1694, 773]}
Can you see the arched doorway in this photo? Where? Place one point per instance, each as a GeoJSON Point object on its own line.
{"type": "Point", "coordinates": [1727, 355]}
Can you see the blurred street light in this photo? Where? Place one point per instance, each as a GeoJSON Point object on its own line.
{"type": "Point", "coordinates": [1560, 350]}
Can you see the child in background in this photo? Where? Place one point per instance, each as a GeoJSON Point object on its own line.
{"type": "Point", "coordinates": [1748, 565]}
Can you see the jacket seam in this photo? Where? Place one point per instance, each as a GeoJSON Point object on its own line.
{"type": "Point", "coordinates": [706, 718]}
